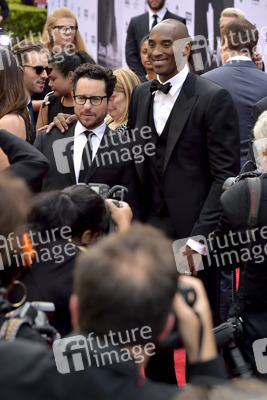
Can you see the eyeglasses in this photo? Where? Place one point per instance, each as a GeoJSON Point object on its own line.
{"type": "Point", "coordinates": [94, 100]}
{"type": "Point", "coordinates": [64, 29]}
{"type": "Point", "coordinates": [39, 69]}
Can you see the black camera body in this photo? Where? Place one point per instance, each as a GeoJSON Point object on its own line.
{"type": "Point", "coordinates": [35, 314]}
{"type": "Point", "coordinates": [173, 341]}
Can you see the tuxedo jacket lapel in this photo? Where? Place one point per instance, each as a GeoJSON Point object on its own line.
{"type": "Point", "coordinates": [104, 147]}
{"type": "Point", "coordinates": [69, 153]}
{"type": "Point", "coordinates": [180, 113]}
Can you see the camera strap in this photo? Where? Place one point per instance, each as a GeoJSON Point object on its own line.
{"type": "Point", "coordinates": [10, 328]}
{"type": "Point", "coordinates": [254, 186]}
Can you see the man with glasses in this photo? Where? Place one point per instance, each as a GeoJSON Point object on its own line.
{"type": "Point", "coordinates": [89, 151]}
{"type": "Point", "coordinates": [32, 58]}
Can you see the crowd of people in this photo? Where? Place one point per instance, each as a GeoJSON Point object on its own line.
{"type": "Point", "coordinates": [115, 267]}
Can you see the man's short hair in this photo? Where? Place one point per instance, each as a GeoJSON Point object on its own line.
{"type": "Point", "coordinates": [126, 281]}
{"type": "Point", "coordinates": [241, 36]}
{"type": "Point", "coordinates": [23, 48]}
{"type": "Point", "coordinates": [95, 72]}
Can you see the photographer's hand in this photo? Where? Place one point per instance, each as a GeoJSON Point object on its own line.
{"type": "Point", "coordinates": [189, 323]}
{"type": "Point", "coordinates": [121, 217]}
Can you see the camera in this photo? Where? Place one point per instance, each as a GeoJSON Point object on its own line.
{"type": "Point", "coordinates": [35, 314]}
{"type": "Point", "coordinates": [173, 341]}
{"type": "Point", "coordinates": [227, 336]}
{"type": "Point", "coordinates": [114, 193]}
{"type": "Point", "coordinates": [243, 175]}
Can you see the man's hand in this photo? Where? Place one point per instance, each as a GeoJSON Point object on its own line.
{"type": "Point", "coordinates": [121, 217]}
{"type": "Point", "coordinates": [188, 260]}
{"type": "Point", "coordinates": [61, 121]}
{"type": "Point", "coordinates": [257, 59]}
{"type": "Point", "coordinates": [189, 325]}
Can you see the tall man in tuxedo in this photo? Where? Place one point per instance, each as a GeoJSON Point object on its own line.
{"type": "Point", "coordinates": [90, 152]}
{"type": "Point", "coordinates": [139, 27]}
{"type": "Point", "coordinates": [196, 134]}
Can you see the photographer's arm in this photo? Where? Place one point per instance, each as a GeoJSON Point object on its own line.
{"type": "Point", "coordinates": [202, 354]}
{"type": "Point", "coordinates": [121, 217]}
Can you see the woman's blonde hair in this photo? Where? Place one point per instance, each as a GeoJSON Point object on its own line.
{"type": "Point", "coordinates": [126, 82]}
{"type": "Point", "coordinates": [47, 38]}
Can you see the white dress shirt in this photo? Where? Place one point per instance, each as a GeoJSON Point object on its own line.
{"type": "Point", "coordinates": [159, 14]}
{"type": "Point", "coordinates": [163, 103]}
{"type": "Point", "coordinates": [80, 141]}
{"type": "Point", "coordinates": [238, 58]}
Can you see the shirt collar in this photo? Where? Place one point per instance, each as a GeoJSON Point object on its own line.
{"type": "Point", "coordinates": [99, 131]}
{"type": "Point", "coordinates": [177, 80]}
{"type": "Point", "coordinates": [239, 58]}
{"type": "Point", "coordinates": [160, 14]}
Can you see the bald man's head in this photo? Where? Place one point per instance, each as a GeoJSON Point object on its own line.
{"type": "Point", "coordinates": [168, 48]}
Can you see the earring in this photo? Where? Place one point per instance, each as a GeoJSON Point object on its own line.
{"type": "Point", "coordinates": [24, 297]}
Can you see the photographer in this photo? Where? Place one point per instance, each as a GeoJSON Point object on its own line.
{"type": "Point", "coordinates": [61, 225]}
{"type": "Point", "coordinates": [236, 243]}
{"type": "Point", "coordinates": [14, 209]}
{"type": "Point", "coordinates": [125, 288]}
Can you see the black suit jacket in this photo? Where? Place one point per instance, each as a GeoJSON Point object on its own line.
{"type": "Point", "coordinates": [28, 372]}
{"type": "Point", "coordinates": [25, 161]}
{"type": "Point", "coordinates": [137, 29]}
{"type": "Point", "coordinates": [113, 164]}
{"type": "Point", "coordinates": [202, 151]}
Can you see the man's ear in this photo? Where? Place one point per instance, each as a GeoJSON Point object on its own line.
{"type": "Point", "coordinates": [74, 313]}
{"type": "Point", "coordinates": [167, 327]}
{"type": "Point", "coordinates": [89, 237]}
{"type": "Point", "coordinates": [187, 49]}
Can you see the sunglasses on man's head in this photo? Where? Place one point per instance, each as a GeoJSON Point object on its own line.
{"type": "Point", "coordinates": [39, 69]}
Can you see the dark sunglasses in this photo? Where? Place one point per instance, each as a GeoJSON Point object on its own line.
{"type": "Point", "coordinates": [39, 69]}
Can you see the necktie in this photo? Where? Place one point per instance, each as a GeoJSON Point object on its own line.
{"type": "Point", "coordinates": [155, 20]}
{"type": "Point", "coordinates": [156, 85]}
{"type": "Point", "coordinates": [86, 156]}
{"type": "Point", "coordinates": [30, 108]}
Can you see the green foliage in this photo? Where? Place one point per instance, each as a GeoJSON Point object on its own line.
{"type": "Point", "coordinates": [24, 21]}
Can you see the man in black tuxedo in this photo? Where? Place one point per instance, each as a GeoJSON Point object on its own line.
{"type": "Point", "coordinates": [89, 151]}
{"type": "Point", "coordinates": [196, 134]}
{"type": "Point", "coordinates": [139, 27]}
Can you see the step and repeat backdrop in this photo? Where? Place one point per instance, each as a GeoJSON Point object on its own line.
{"type": "Point", "coordinates": [103, 23]}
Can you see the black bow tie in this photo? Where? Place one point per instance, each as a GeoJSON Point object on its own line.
{"type": "Point", "coordinates": [156, 85]}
